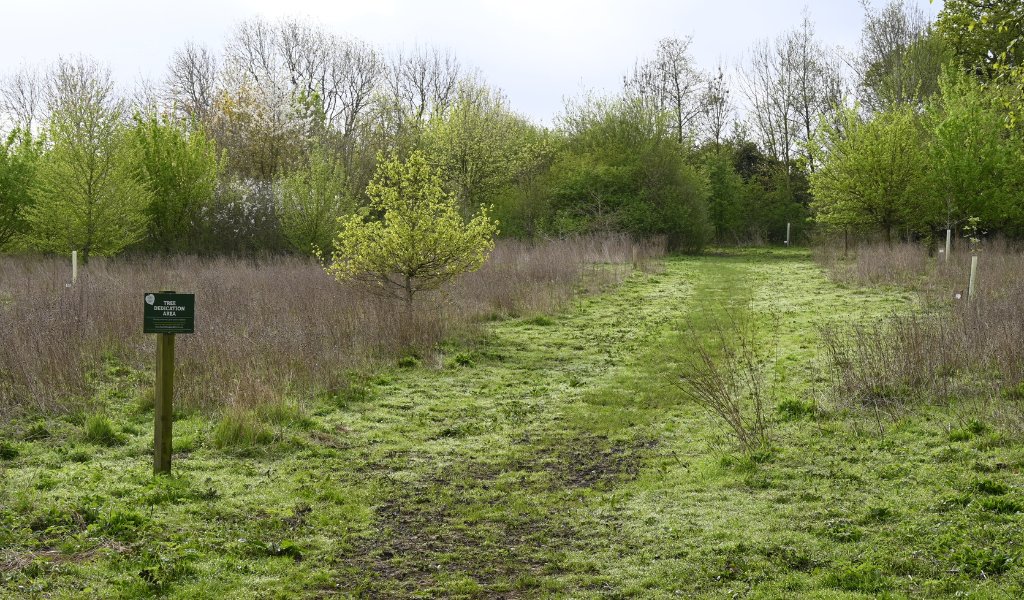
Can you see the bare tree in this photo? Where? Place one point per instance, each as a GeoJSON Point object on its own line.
{"type": "Point", "coordinates": [717, 106]}
{"type": "Point", "coordinates": [425, 80]}
{"type": "Point", "coordinates": [77, 84]}
{"type": "Point", "coordinates": [818, 84]}
{"type": "Point", "coordinates": [22, 94]}
{"type": "Point", "coordinates": [899, 58]}
{"type": "Point", "coordinates": [671, 82]}
{"type": "Point", "coordinates": [357, 71]}
{"type": "Point", "coordinates": [253, 50]}
{"type": "Point", "coordinates": [767, 84]}
{"type": "Point", "coordinates": [343, 72]}
{"type": "Point", "coordinates": [788, 83]}
{"type": "Point", "coordinates": [192, 80]}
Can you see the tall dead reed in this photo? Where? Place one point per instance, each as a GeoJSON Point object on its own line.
{"type": "Point", "coordinates": [264, 328]}
{"type": "Point", "coordinates": [948, 348]}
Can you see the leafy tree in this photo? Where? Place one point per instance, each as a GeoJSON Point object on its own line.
{"type": "Point", "coordinates": [621, 169]}
{"type": "Point", "coordinates": [974, 161]}
{"type": "Point", "coordinates": [473, 144]}
{"type": "Point", "coordinates": [524, 208]}
{"type": "Point", "coordinates": [988, 38]}
{"type": "Point", "coordinates": [901, 56]}
{"type": "Point", "coordinates": [725, 198]}
{"type": "Point", "coordinates": [313, 198]}
{"type": "Point", "coordinates": [179, 165]}
{"type": "Point", "coordinates": [88, 196]}
{"type": "Point", "coordinates": [18, 162]}
{"type": "Point", "coordinates": [420, 244]}
{"type": "Point", "coordinates": [873, 175]}
{"type": "Point", "coordinates": [983, 34]}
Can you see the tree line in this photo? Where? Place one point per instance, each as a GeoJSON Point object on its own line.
{"type": "Point", "coordinates": [937, 143]}
{"type": "Point", "coordinates": [263, 144]}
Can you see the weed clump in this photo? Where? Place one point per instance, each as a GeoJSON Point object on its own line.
{"type": "Point", "coordinates": [241, 429]}
{"type": "Point", "coordinates": [8, 451]}
{"type": "Point", "coordinates": [100, 430]}
{"type": "Point", "coordinates": [791, 409]}
{"type": "Point", "coordinates": [865, 578]}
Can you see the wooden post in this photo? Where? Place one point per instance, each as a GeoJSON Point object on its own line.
{"type": "Point", "coordinates": [949, 237]}
{"type": "Point", "coordinates": [634, 258]}
{"type": "Point", "coordinates": [787, 235]}
{"type": "Point", "coordinates": [974, 272]}
{"type": "Point", "coordinates": [74, 266]}
{"type": "Point", "coordinates": [163, 406]}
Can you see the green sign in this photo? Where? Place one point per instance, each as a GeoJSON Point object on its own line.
{"type": "Point", "coordinates": [169, 313]}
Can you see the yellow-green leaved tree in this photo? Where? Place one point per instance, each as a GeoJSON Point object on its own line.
{"type": "Point", "coordinates": [420, 243]}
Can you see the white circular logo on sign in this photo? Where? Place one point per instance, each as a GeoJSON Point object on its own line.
{"type": "Point", "coordinates": [150, 299]}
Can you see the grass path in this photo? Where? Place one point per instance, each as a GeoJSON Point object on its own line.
{"type": "Point", "coordinates": [552, 457]}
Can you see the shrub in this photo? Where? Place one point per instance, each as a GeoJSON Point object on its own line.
{"type": "Point", "coordinates": [727, 373]}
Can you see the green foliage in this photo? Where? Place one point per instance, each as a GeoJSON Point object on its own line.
{"type": "Point", "coordinates": [475, 144]}
{"type": "Point", "coordinates": [88, 196]}
{"type": "Point", "coordinates": [8, 451]}
{"type": "Point", "coordinates": [987, 39]}
{"type": "Point", "coordinates": [873, 176]}
{"type": "Point", "coordinates": [313, 198]}
{"type": "Point", "coordinates": [983, 35]}
{"type": "Point", "coordinates": [178, 163]}
{"type": "Point", "coordinates": [974, 163]}
{"type": "Point", "coordinates": [420, 244]}
{"type": "Point", "coordinates": [622, 170]}
{"type": "Point", "coordinates": [726, 198]}
{"type": "Point", "coordinates": [18, 160]}
{"type": "Point", "coordinates": [524, 207]}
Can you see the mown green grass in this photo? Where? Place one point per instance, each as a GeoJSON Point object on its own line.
{"type": "Point", "coordinates": [553, 457]}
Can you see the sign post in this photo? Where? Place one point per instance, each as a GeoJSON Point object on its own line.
{"type": "Point", "coordinates": [166, 314]}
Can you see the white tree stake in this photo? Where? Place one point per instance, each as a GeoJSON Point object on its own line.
{"type": "Point", "coordinates": [974, 272]}
{"type": "Point", "coordinates": [949, 236]}
{"type": "Point", "coordinates": [74, 266]}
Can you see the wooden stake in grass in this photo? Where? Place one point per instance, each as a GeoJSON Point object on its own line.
{"type": "Point", "coordinates": [974, 273]}
{"type": "Point", "coordinates": [163, 408]}
{"type": "Point", "coordinates": [634, 258]}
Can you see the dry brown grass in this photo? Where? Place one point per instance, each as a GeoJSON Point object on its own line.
{"type": "Point", "coordinates": [948, 349]}
{"type": "Point", "coordinates": [264, 328]}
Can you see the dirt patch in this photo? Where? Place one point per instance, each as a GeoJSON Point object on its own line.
{"type": "Point", "coordinates": [591, 462]}
{"type": "Point", "coordinates": [457, 525]}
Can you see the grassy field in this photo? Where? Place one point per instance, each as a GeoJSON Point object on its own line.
{"type": "Point", "coordinates": [551, 457]}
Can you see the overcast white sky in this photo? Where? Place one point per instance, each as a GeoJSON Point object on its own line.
{"type": "Point", "coordinates": [537, 51]}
